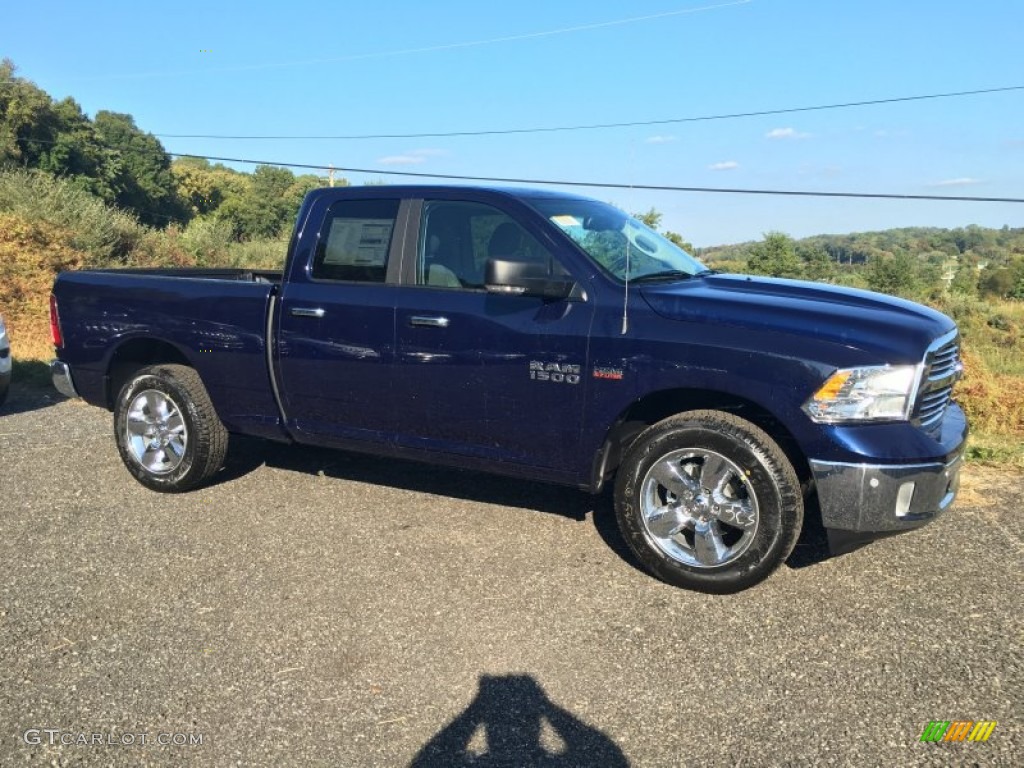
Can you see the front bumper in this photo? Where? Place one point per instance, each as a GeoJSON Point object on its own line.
{"type": "Point", "coordinates": [880, 498]}
{"type": "Point", "coordinates": [62, 381]}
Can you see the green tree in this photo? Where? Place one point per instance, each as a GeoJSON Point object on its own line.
{"type": "Point", "coordinates": [965, 279]}
{"type": "Point", "coordinates": [109, 156]}
{"type": "Point", "coordinates": [997, 282]}
{"type": "Point", "coordinates": [75, 149]}
{"type": "Point", "coordinates": [775, 256]}
{"type": "Point", "coordinates": [1005, 282]}
{"type": "Point", "coordinates": [268, 204]}
{"type": "Point", "coordinates": [199, 185]}
{"type": "Point", "coordinates": [679, 240]}
{"type": "Point", "coordinates": [303, 184]}
{"type": "Point", "coordinates": [896, 275]}
{"type": "Point", "coordinates": [139, 170]}
{"type": "Point", "coordinates": [28, 125]}
{"type": "Point", "coordinates": [652, 218]}
{"type": "Point", "coordinates": [817, 264]}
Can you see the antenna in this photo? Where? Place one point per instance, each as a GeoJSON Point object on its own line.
{"type": "Point", "coordinates": [625, 293]}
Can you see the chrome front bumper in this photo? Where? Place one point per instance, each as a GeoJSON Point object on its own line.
{"type": "Point", "coordinates": [62, 381]}
{"type": "Point", "coordinates": [871, 498]}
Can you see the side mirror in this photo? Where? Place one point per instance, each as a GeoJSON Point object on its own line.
{"type": "Point", "coordinates": [523, 278]}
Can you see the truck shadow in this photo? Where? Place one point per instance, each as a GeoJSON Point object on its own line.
{"type": "Point", "coordinates": [511, 721]}
{"type": "Point", "coordinates": [248, 454]}
{"type": "Point", "coordinates": [812, 546]}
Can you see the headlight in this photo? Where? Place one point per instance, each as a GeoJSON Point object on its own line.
{"type": "Point", "coordinates": [874, 393]}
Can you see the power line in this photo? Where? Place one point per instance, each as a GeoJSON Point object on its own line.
{"type": "Point", "coordinates": [590, 184]}
{"type": "Point", "coordinates": [612, 185]}
{"type": "Point", "coordinates": [424, 49]}
{"type": "Point", "coordinates": [602, 126]}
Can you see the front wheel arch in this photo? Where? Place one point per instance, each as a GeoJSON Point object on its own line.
{"type": "Point", "coordinates": [657, 406]}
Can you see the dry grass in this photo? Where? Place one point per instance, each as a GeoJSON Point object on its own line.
{"type": "Point", "coordinates": [994, 402]}
{"type": "Point", "coordinates": [31, 255]}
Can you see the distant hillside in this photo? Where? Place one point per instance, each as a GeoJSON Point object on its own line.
{"type": "Point", "coordinates": [931, 243]}
{"type": "Point", "coordinates": [921, 263]}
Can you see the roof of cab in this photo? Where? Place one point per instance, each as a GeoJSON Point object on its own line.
{"type": "Point", "coordinates": [425, 190]}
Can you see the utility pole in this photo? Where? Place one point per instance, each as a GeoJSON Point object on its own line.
{"type": "Point", "coordinates": [330, 175]}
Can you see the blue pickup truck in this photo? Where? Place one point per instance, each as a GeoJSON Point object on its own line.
{"type": "Point", "coordinates": [544, 336]}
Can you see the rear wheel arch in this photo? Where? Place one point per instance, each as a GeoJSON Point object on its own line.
{"type": "Point", "coordinates": [135, 354]}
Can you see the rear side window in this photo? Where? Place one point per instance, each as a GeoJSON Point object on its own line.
{"type": "Point", "coordinates": [355, 241]}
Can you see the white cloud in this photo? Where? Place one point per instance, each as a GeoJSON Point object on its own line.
{"type": "Point", "coordinates": [661, 139]}
{"type": "Point", "coordinates": [883, 133]}
{"type": "Point", "coordinates": [413, 157]}
{"type": "Point", "coordinates": [786, 133]}
{"type": "Point", "coordinates": [963, 181]}
{"type": "Point", "coordinates": [401, 160]}
{"type": "Point", "coordinates": [728, 165]}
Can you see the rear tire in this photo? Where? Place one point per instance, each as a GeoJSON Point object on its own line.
{"type": "Point", "coordinates": [708, 501]}
{"type": "Point", "coordinates": [167, 432]}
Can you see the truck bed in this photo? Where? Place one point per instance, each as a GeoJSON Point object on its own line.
{"type": "Point", "coordinates": [214, 320]}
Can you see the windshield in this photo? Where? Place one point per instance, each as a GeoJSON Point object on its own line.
{"type": "Point", "coordinates": [617, 242]}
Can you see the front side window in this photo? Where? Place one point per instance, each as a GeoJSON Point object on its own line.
{"type": "Point", "coordinates": [619, 244]}
{"type": "Point", "coordinates": [355, 241]}
{"type": "Point", "coordinates": [457, 239]}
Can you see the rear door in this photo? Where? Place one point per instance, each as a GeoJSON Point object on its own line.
{"type": "Point", "coordinates": [336, 322]}
{"type": "Point", "coordinates": [491, 376]}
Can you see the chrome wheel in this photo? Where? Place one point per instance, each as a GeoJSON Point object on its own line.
{"type": "Point", "coordinates": [698, 508]}
{"type": "Point", "coordinates": [155, 432]}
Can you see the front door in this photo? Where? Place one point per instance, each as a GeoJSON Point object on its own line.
{"type": "Point", "coordinates": [493, 376]}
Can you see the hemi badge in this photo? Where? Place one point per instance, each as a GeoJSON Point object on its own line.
{"type": "Point", "coordinates": [612, 374]}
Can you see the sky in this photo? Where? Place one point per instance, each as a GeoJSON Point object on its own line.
{"type": "Point", "coordinates": [346, 68]}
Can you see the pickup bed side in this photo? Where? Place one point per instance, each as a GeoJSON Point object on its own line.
{"type": "Point", "coordinates": [214, 322]}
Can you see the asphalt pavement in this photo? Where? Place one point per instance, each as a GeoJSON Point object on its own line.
{"type": "Point", "coordinates": [321, 608]}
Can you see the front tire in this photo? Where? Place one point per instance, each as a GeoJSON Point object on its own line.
{"type": "Point", "coordinates": [708, 501]}
{"type": "Point", "coordinates": [167, 431]}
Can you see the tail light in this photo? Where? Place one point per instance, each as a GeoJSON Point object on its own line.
{"type": "Point", "coordinates": [55, 334]}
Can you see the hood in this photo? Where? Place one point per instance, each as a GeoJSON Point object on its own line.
{"type": "Point", "coordinates": [896, 330]}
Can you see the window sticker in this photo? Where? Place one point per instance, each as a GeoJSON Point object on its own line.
{"type": "Point", "coordinates": [358, 242]}
{"type": "Point", "coordinates": [565, 220]}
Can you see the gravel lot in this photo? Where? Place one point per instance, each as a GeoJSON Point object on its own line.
{"type": "Point", "coordinates": [318, 608]}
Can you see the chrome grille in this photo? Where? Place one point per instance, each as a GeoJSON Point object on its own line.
{"type": "Point", "coordinates": [944, 361]}
{"type": "Point", "coordinates": [941, 370]}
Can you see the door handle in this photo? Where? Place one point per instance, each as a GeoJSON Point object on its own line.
{"type": "Point", "coordinates": [429, 322]}
{"type": "Point", "coordinates": [307, 312]}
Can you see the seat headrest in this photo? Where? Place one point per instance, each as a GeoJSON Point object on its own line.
{"type": "Point", "coordinates": [506, 241]}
